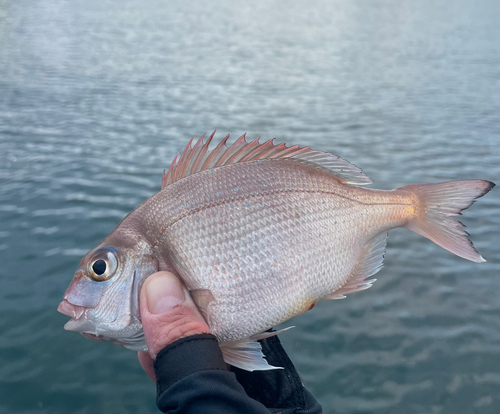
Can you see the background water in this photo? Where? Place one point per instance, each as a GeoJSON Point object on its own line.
{"type": "Point", "coordinates": [96, 98]}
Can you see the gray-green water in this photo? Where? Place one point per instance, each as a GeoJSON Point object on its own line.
{"type": "Point", "coordinates": [96, 97]}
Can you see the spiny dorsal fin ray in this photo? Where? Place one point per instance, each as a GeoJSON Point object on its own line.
{"type": "Point", "coordinates": [370, 263]}
{"type": "Point", "coordinates": [198, 158]}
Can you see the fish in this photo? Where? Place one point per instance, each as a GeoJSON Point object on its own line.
{"type": "Point", "coordinates": [258, 233]}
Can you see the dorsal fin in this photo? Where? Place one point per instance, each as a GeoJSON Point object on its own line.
{"type": "Point", "coordinates": [370, 263]}
{"type": "Point", "coordinates": [198, 158]}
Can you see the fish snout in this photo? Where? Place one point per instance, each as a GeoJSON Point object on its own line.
{"type": "Point", "coordinates": [68, 309]}
{"type": "Point", "coordinates": [78, 322]}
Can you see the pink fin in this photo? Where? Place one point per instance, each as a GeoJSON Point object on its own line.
{"type": "Point", "coordinates": [168, 179]}
{"type": "Point", "coordinates": [437, 204]}
{"type": "Point", "coordinates": [247, 353]}
{"type": "Point", "coordinates": [369, 264]}
{"type": "Point", "coordinates": [198, 158]}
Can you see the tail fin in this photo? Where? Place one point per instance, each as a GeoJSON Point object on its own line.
{"type": "Point", "coordinates": [437, 204]}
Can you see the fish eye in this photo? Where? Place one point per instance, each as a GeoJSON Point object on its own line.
{"type": "Point", "coordinates": [104, 265]}
{"type": "Point", "coordinates": [99, 267]}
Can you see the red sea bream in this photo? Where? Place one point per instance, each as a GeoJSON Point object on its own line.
{"type": "Point", "coordinates": [258, 233]}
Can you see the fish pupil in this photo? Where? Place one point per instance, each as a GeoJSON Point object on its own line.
{"type": "Point", "coordinates": [99, 267]}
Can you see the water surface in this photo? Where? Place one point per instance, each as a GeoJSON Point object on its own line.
{"type": "Point", "coordinates": [96, 98]}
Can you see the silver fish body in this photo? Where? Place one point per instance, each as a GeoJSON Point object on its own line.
{"type": "Point", "coordinates": [268, 239]}
{"type": "Point", "coordinates": [258, 236]}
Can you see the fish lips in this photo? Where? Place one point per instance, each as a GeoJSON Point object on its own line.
{"type": "Point", "coordinates": [78, 321]}
{"type": "Point", "coordinates": [81, 296]}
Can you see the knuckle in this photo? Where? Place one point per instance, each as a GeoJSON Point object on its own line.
{"type": "Point", "coordinates": [179, 322]}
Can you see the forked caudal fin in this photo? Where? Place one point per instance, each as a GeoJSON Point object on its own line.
{"type": "Point", "coordinates": [437, 203]}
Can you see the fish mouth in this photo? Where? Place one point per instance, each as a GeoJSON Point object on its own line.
{"type": "Point", "coordinates": [78, 321]}
{"type": "Point", "coordinates": [68, 309]}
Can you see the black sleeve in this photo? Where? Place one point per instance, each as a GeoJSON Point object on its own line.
{"type": "Point", "coordinates": [192, 378]}
{"type": "Point", "coordinates": [281, 390]}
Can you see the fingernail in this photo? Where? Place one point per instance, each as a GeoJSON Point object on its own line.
{"type": "Point", "coordinates": [163, 293]}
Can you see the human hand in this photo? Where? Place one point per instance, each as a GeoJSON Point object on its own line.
{"type": "Point", "coordinates": [168, 313]}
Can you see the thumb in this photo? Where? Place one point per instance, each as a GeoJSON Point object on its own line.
{"type": "Point", "coordinates": [168, 312]}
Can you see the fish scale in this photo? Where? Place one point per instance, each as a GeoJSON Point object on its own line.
{"type": "Point", "coordinates": [291, 222]}
{"type": "Point", "coordinates": [259, 233]}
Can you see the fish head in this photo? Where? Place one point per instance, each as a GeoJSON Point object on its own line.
{"type": "Point", "coordinates": [103, 297]}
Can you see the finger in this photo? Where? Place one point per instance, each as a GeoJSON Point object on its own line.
{"type": "Point", "coordinates": [168, 312]}
{"type": "Point", "coordinates": [147, 364]}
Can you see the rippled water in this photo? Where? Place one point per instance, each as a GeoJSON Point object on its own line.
{"type": "Point", "coordinates": [96, 97]}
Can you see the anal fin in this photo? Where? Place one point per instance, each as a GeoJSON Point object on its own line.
{"type": "Point", "coordinates": [369, 264]}
{"type": "Point", "coordinates": [247, 353]}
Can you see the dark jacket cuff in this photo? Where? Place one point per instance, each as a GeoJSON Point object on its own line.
{"type": "Point", "coordinates": [172, 364]}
